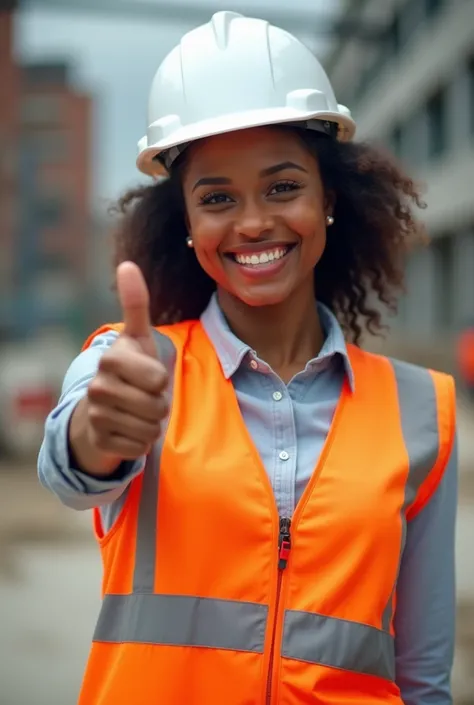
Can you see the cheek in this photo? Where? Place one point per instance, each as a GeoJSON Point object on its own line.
{"type": "Point", "coordinates": [206, 231]}
{"type": "Point", "coordinates": [307, 219]}
{"type": "Point", "coordinates": [207, 234]}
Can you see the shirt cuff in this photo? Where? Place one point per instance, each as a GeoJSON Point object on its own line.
{"type": "Point", "coordinates": [71, 485]}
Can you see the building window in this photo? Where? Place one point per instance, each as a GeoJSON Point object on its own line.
{"type": "Point", "coordinates": [432, 7]}
{"type": "Point", "coordinates": [437, 124]}
{"type": "Point", "coordinates": [470, 69]}
{"type": "Point", "coordinates": [444, 286]}
{"type": "Point", "coordinates": [52, 262]}
{"type": "Point", "coordinates": [41, 110]}
{"type": "Point", "coordinates": [395, 35]}
{"type": "Point", "coordinates": [50, 212]}
{"type": "Point", "coordinates": [8, 160]}
{"type": "Point", "coordinates": [412, 16]}
{"type": "Point", "coordinates": [51, 147]}
{"type": "Point", "coordinates": [48, 73]}
{"type": "Point", "coordinates": [369, 75]}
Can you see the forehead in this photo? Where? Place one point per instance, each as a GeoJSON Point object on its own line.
{"type": "Point", "coordinates": [253, 149]}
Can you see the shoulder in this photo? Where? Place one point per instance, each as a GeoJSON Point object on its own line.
{"type": "Point", "coordinates": [109, 331]}
{"type": "Point", "coordinates": [434, 389]}
{"type": "Point", "coordinates": [409, 377]}
{"type": "Point", "coordinates": [412, 371]}
{"type": "Point", "coordinates": [103, 335]}
{"type": "Point", "coordinates": [426, 400]}
{"type": "Point", "coordinates": [427, 391]}
{"type": "Point", "coordinates": [170, 339]}
{"type": "Point", "coordinates": [434, 384]}
{"type": "Point", "coordinates": [427, 404]}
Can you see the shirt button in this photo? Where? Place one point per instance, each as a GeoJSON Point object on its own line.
{"type": "Point", "coordinates": [254, 364]}
{"type": "Point", "coordinates": [284, 455]}
{"type": "Point", "coordinates": [278, 396]}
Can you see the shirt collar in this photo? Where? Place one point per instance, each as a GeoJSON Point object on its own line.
{"type": "Point", "coordinates": [231, 351]}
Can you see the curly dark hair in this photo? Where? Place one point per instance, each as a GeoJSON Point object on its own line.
{"type": "Point", "coordinates": [365, 254]}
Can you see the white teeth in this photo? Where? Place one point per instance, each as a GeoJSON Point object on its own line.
{"type": "Point", "coordinates": [263, 257]}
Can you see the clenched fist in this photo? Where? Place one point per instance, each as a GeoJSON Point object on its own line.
{"type": "Point", "coordinates": [120, 418]}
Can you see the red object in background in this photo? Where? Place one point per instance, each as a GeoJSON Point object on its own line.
{"type": "Point", "coordinates": [466, 356]}
{"type": "Point", "coordinates": [34, 403]}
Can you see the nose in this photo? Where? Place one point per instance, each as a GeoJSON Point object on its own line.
{"type": "Point", "coordinates": [254, 222]}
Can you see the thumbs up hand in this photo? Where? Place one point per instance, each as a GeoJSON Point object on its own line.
{"type": "Point", "coordinates": [120, 418]}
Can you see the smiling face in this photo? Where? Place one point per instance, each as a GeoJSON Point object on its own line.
{"type": "Point", "coordinates": [256, 212]}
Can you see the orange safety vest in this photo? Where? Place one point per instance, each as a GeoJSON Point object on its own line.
{"type": "Point", "coordinates": [209, 598]}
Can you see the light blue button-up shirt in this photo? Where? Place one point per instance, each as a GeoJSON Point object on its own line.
{"type": "Point", "coordinates": [288, 424]}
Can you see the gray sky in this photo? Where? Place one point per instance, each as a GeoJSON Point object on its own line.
{"type": "Point", "coordinates": [115, 60]}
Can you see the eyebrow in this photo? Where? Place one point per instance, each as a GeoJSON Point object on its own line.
{"type": "Point", "coordinates": [281, 167]}
{"type": "Point", "coordinates": [269, 171]}
{"type": "Point", "coordinates": [212, 181]}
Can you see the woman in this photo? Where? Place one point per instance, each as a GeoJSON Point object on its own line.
{"type": "Point", "coordinates": [275, 507]}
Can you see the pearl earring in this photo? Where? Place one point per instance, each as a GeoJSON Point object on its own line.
{"type": "Point", "coordinates": [189, 241]}
{"type": "Point", "coordinates": [329, 220]}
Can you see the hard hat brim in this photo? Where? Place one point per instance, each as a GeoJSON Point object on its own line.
{"type": "Point", "coordinates": [149, 165]}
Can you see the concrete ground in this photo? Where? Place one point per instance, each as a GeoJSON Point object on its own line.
{"type": "Point", "coordinates": [50, 580]}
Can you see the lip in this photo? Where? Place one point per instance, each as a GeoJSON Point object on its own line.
{"type": "Point", "coordinates": [254, 248]}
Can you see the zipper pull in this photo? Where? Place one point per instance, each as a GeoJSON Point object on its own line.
{"type": "Point", "coordinates": [284, 543]}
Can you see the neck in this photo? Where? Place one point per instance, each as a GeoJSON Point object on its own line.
{"type": "Point", "coordinates": [285, 335]}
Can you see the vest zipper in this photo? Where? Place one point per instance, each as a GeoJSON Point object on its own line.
{"type": "Point", "coordinates": [284, 547]}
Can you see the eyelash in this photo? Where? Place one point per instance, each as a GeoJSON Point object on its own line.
{"type": "Point", "coordinates": [207, 199]}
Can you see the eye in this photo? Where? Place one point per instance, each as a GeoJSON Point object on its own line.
{"type": "Point", "coordinates": [284, 187]}
{"type": "Point", "coordinates": [214, 198]}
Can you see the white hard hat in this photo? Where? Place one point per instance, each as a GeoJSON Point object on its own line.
{"type": "Point", "coordinates": [230, 74]}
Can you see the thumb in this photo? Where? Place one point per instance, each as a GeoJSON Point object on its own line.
{"type": "Point", "coordinates": [135, 302]}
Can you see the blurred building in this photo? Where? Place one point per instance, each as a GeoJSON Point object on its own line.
{"type": "Point", "coordinates": [46, 236]}
{"type": "Point", "coordinates": [414, 92]}
{"type": "Point", "coordinates": [9, 82]}
{"type": "Point", "coordinates": [55, 135]}
{"type": "Point", "coordinates": [45, 184]}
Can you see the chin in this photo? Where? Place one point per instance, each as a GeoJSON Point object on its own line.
{"type": "Point", "coordinates": [257, 299]}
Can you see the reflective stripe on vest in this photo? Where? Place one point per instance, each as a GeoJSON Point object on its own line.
{"type": "Point", "coordinates": [144, 617]}
{"type": "Point", "coordinates": [179, 620]}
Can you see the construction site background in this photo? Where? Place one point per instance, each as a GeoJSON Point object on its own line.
{"type": "Point", "coordinates": [406, 69]}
